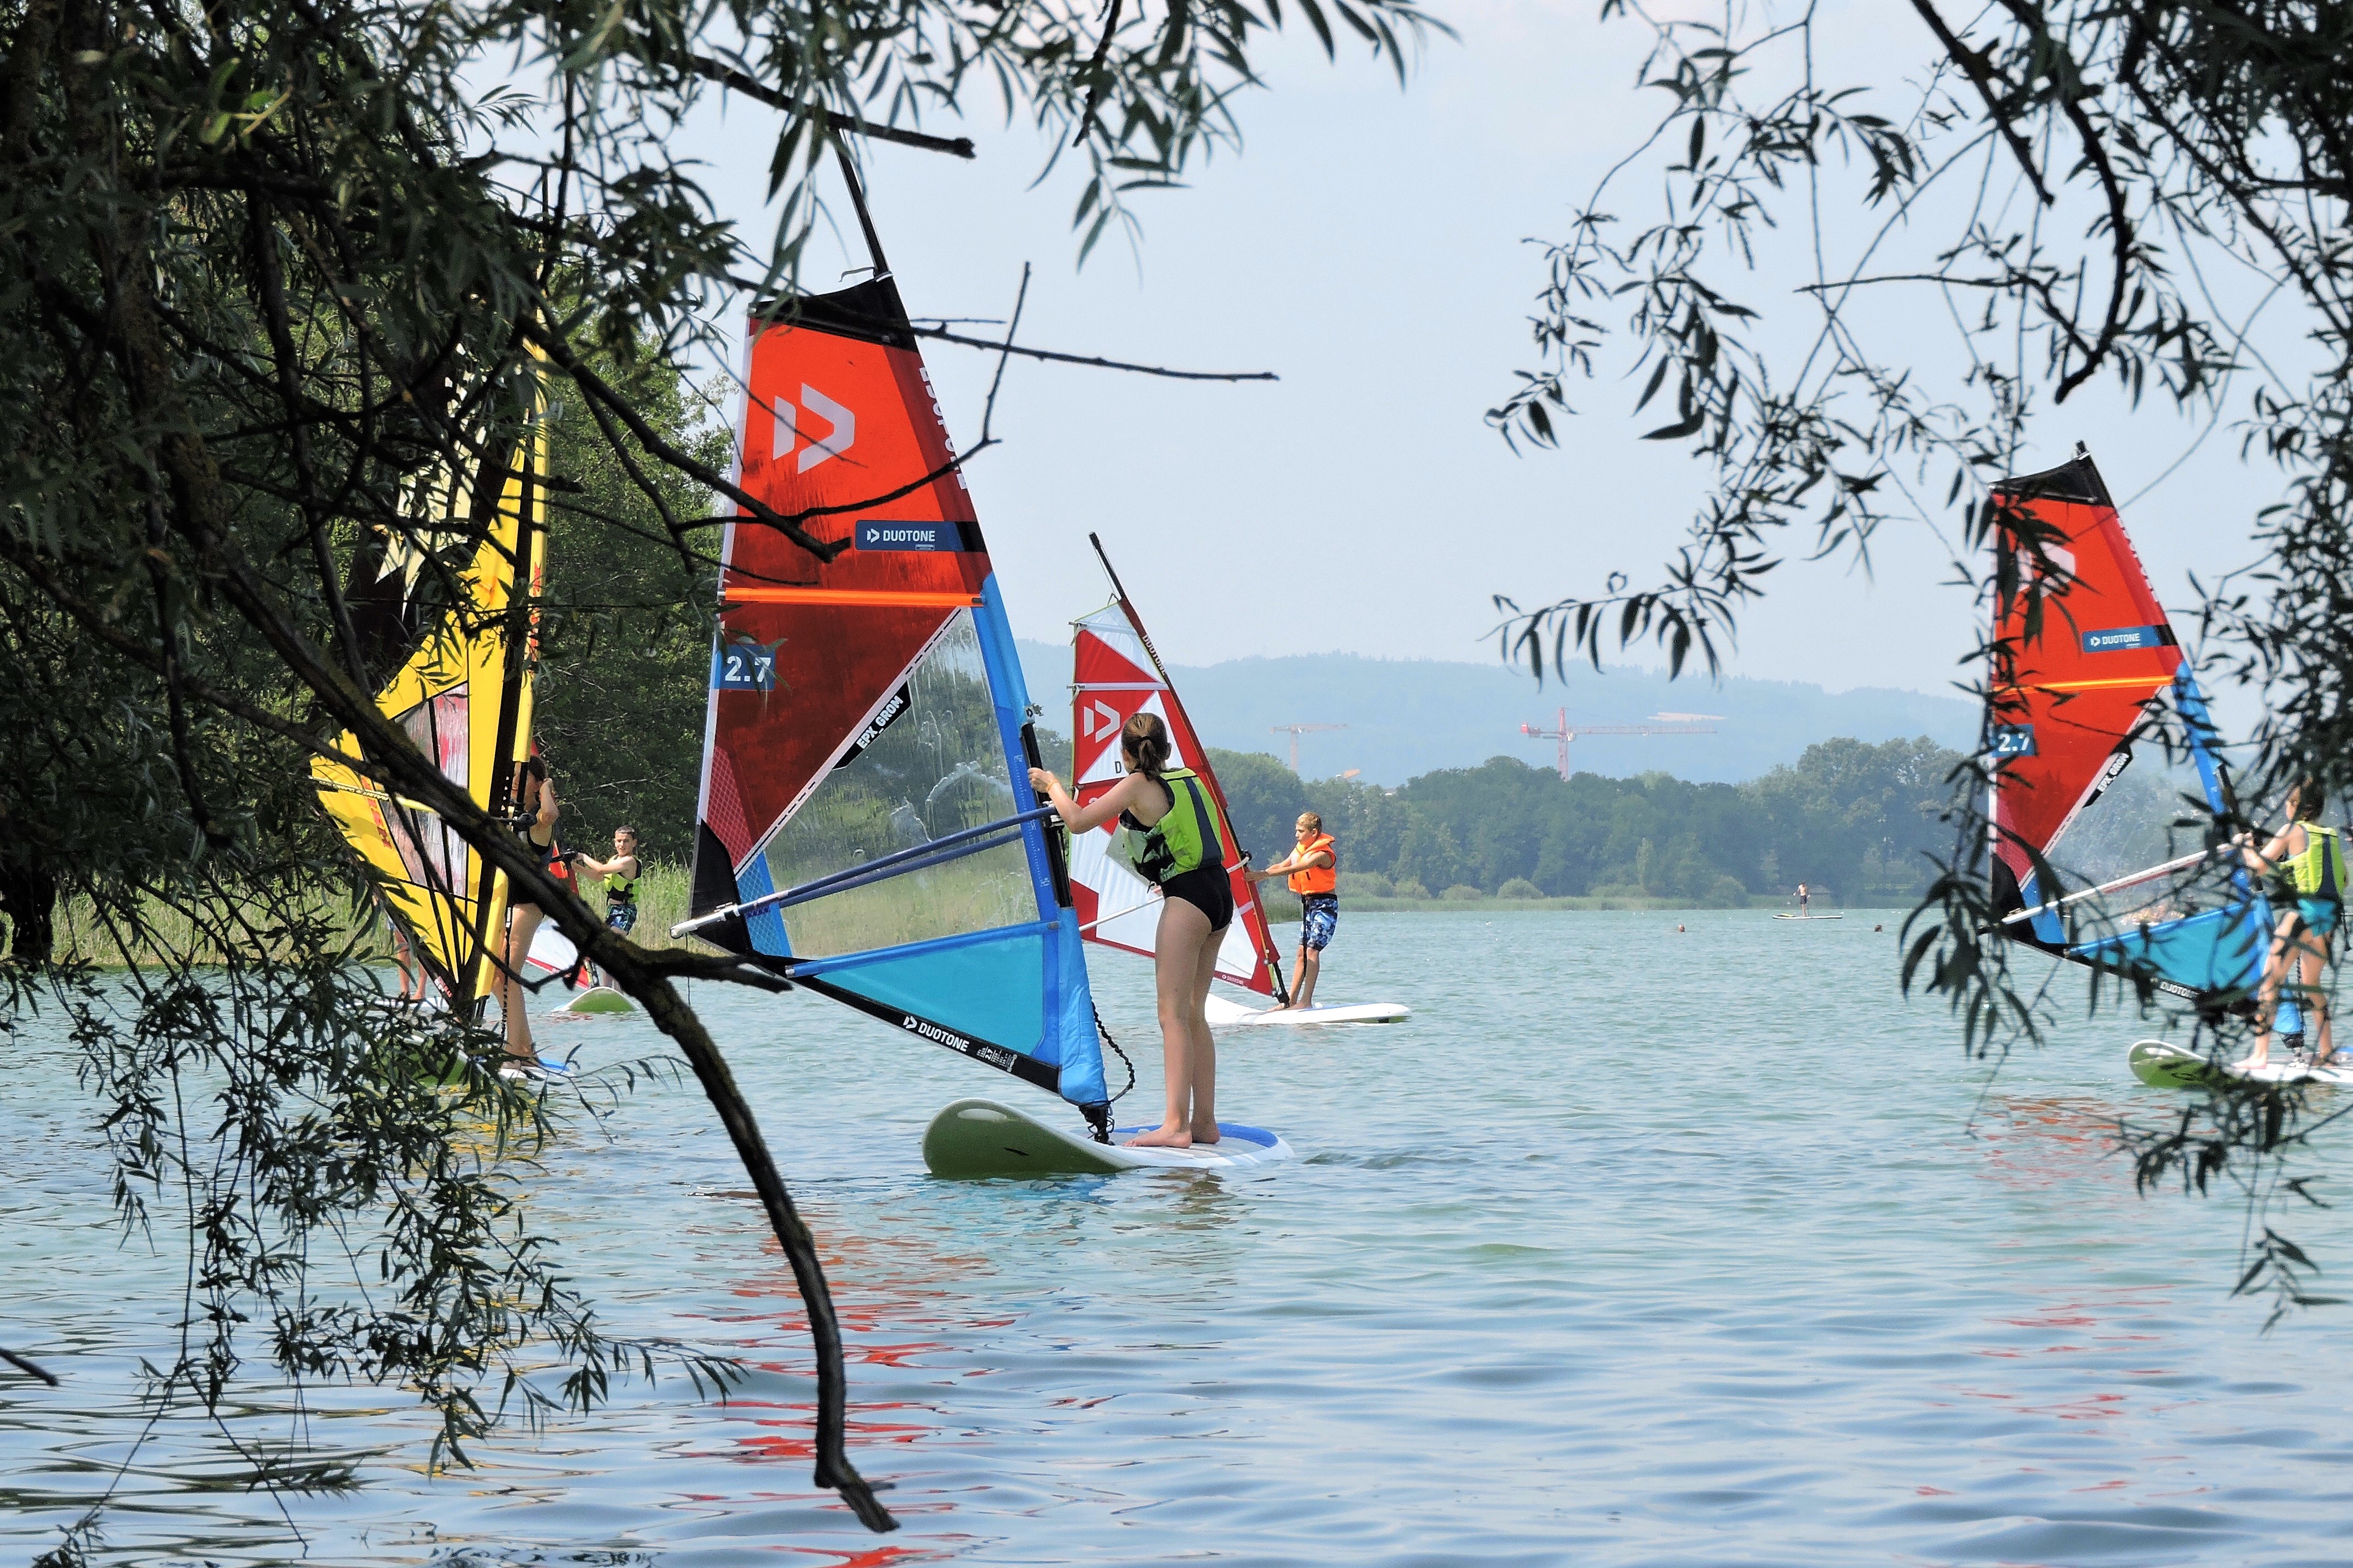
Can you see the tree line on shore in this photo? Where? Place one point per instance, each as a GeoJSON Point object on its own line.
{"type": "Point", "coordinates": [1858, 823]}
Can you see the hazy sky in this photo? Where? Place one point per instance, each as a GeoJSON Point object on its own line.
{"type": "Point", "coordinates": [1367, 246]}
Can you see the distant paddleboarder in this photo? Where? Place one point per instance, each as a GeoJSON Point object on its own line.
{"type": "Point", "coordinates": [1805, 900]}
{"type": "Point", "coordinates": [1313, 868]}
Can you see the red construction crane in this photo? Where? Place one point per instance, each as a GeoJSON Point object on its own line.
{"type": "Point", "coordinates": [1665, 724]}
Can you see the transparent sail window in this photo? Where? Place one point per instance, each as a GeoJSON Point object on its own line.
{"type": "Point", "coordinates": [2148, 817]}
{"type": "Point", "coordinates": [936, 766]}
{"type": "Point", "coordinates": [432, 852]}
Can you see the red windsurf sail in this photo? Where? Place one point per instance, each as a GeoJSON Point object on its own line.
{"type": "Point", "coordinates": [1118, 675]}
{"type": "Point", "coordinates": [2085, 663]}
{"type": "Point", "coordinates": [866, 824]}
{"type": "Point", "coordinates": [2083, 654]}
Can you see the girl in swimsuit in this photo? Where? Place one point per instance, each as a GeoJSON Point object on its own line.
{"type": "Point", "coordinates": [536, 811]}
{"type": "Point", "coordinates": [1198, 907]}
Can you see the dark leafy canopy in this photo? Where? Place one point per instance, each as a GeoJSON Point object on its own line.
{"type": "Point", "coordinates": [2082, 189]}
{"type": "Point", "coordinates": [266, 272]}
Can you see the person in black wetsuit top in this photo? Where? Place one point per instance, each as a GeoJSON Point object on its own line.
{"type": "Point", "coordinates": [1175, 838]}
{"type": "Point", "coordinates": [534, 824]}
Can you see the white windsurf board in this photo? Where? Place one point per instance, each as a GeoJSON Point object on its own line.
{"type": "Point", "coordinates": [2166, 1065]}
{"type": "Point", "coordinates": [1224, 1014]}
{"type": "Point", "coordinates": [982, 1138]}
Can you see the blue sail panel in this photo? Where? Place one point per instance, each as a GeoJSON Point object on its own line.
{"type": "Point", "coordinates": [2205, 955]}
{"type": "Point", "coordinates": [990, 984]}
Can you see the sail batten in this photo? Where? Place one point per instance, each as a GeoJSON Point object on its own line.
{"type": "Point", "coordinates": [866, 826]}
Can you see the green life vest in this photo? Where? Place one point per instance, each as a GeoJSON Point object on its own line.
{"type": "Point", "coordinates": [1190, 836]}
{"type": "Point", "coordinates": [2320, 870]}
{"type": "Point", "coordinates": [620, 889]}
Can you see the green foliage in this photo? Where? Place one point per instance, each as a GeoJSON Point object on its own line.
{"type": "Point", "coordinates": [1519, 887]}
{"type": "Point", "coordinates": [1410, 889]}
{"type": "Point", "coordinates": [1463, 893]}
{"type": "Point", "coordinates": [1864, 818]}
{"type": "Point", "coordinates": [625, 652]}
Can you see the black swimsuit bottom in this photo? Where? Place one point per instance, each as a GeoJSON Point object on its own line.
{"type": "Point", "coordinates": [1208, 889]}
{"type": "Point", "coordinates": [544, 851]}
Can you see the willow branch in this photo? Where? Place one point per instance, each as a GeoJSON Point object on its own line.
{"type": "Point", "coordinates": [835, 122]}
{"type": "Point", "coordinates": [1974, 66]}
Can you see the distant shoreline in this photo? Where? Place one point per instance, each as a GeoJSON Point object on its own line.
{"type": "Point", "coordinates": [1489, 906]}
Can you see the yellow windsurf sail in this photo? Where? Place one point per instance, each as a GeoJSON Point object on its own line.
{"type": "Point", "coordinates": [462, 693]}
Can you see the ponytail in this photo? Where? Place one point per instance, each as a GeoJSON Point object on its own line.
{"type": "Point", "coordinates": [1144, 739]}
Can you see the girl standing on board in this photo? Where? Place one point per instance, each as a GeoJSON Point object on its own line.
{"type": "Point", "coordinates": [1174, 838]}
{"type": "Point", "coordinates": [534, 824]}
{"type": "Point", "coordinates": [2309, 861]}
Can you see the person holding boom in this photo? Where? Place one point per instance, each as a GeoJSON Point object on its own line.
{"type": "Point", "coordinates": [1175, 838]}
{"type": "Point", "coordinates": [2308, 861]}
{"type": "Point", "coordinates": [1313, 868]}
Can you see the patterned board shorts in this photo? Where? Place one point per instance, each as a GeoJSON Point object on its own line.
{"type": "Point", "coordinates": [1319, 917]}
{"type": "Point", "coordinates": [622, 918]}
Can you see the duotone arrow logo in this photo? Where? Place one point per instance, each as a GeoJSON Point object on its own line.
{"type": "Point", "coordinates": [840, 435]}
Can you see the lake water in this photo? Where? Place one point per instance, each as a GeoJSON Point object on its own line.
{"type": "Point", "coordinates": [1630, 1247]}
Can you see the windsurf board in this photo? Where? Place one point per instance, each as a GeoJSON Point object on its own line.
{"type": "Point", "coordinates": [1223, 1015]}
{"type": "Point", "coordinates": [2166, 1066]}
{"type": "Point", "coordinates": [1809, 916]}
{"type": "Point", "coordinates": [599, 999]}
{"type": "Point", "coordinates": [982, 1138]}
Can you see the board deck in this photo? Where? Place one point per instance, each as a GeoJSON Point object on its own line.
{"type": "Point", "coordinates": [1809, 916]}
{"type": "Point", "coordinates": [1223, 1015]}
{"type": "Point", "coordinates": [2163, 1065]}
{"type": "Point", "coordinates": [982, 1138]}
{"type": "Point", "coordinates": [599, 999]}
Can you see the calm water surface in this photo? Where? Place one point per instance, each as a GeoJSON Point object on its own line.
{"type": "Point", "coordinates": [1630, 1247]}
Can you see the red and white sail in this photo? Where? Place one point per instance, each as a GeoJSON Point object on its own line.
{"type": "Point", "coordinates": [1117, 676]}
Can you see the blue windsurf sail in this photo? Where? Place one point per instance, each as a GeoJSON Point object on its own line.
{"type": "Point", "coordinates": [2112, 870]}
{"type": "Point", "coordinates": [866, 823]}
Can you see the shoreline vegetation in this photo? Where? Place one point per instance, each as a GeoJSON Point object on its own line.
{"type": "Point", "coordinates": [662, 891]}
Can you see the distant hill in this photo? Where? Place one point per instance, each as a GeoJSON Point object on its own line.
{"type": "Point", "coordinates": [1408, 717]}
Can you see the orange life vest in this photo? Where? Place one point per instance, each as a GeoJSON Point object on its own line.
{"type": "Point", "coordinates": [1317, 878]}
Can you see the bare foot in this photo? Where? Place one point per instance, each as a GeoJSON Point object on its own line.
{"type": "Point", "coordinates": [1162, 1138]}
{"type": "Point", "coordinates": [1200, 1136]}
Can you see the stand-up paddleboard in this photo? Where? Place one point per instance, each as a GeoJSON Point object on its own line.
{"type": "Point", "coordinates": [1809, 916]}
{"type": "Point", "coordinates": [597, 1000]}
{"type": "Point", "coordinates": [982, 1138]}
{"type": "Point", "coordinates": [1225, 1015]}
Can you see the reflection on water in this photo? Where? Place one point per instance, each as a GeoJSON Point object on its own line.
{"type": "Point", "coordinates": [1554, 1281]}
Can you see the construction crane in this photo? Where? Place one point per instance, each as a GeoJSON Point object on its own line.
{"type": "Point", "coordinates": [1662, 724]}
{"type": "Point", "coordinates": [1295, 731]}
